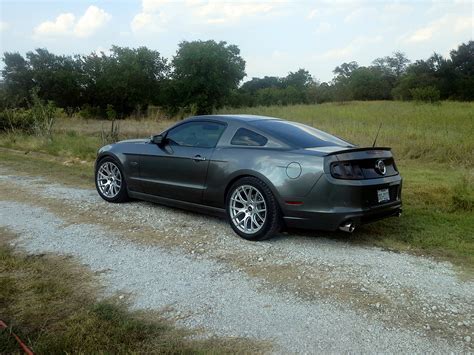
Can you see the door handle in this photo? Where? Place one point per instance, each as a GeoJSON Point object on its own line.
{"type": "Point", "coordinates": [199, 158]}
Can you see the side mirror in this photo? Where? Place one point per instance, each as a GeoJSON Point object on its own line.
{"type": "Point", "coordinates": [158, 139]}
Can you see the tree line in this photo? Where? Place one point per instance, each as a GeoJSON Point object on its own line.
{"type": "Point", "coordinates": [205, 75]}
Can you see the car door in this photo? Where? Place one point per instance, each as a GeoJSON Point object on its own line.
{"type": "Point", "coordinates": [177, 169]}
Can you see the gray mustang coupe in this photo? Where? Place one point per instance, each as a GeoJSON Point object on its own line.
{"type": "Point", "coordinates": [263, 173]}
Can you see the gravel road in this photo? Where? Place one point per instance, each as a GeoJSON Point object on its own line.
{"type": "Point", "coordinates": [304, 293]}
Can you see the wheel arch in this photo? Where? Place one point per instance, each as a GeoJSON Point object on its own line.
{"type": "Point", "coordinates": [245, 173]}
{"type": "Point", "coordinates": [109, 154]}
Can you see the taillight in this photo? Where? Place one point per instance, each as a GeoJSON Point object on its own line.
{"type": "Point", "coordinates": [395, 166]}
{"type": "Point", "coordinates": [346, 170]}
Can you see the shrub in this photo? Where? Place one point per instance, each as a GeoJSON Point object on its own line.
{"type": "Point", "coordinates": [17, 119]}
{"type": "Point", "coordinates": [38, 119]}
{"type": "Point", "coordinates": [426, 94]}
{"type": "Point", "coordinates": [44, 115]}
{"type": "Point", "coordinates": [89, 112]}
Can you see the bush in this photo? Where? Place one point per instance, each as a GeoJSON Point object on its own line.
{"type": "Point", "coordinates": [426, 94]}
{"type": "Point", "coordinates": [44, 115]}
{"type": "Point", "coordinates": [17, 119]}
{"type": "Point", "coordinates": [89, 112]}
{"type": "Point", "coordinates": [38, 119]}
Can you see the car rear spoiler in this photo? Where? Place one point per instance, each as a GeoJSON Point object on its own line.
{"type": "Point", "coordinates": [353, 150]}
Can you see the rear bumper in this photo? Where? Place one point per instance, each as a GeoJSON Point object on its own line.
{"type": "Point", "coordinates": [332, 203]}
{"type": "Point", "coordinates": [331, 221]}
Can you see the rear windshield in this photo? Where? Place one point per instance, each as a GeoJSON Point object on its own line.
{"type": "Point", "coordinates": [298, 135]}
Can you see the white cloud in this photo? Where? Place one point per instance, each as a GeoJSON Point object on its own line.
{"type": "Point", "coordinates": [348, 51]}
{"type": "Point", "coordinates": [456, 24]}
{"type": "Point", "coordinates": [62, 25]}
{"type": "Point", "coordinates": [152, 18]}
{"type": "Point", "coordinates": [4, 26]}
{"type": "Point", "coordinates": [66, 25]}
{"type": "Point", "coordinates": [149, 22]}
{"type": "Point", "coordinates": [93, 19]}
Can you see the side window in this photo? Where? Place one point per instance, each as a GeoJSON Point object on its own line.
{"type": "Point", "coordinates": [196, 134]}
{"type": "Point", "coordinates": [248, 138]}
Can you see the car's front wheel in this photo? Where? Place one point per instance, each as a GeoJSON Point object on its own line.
{"type": "Point", "coordinates": [252, 209]}
{"type": "Point", "coordinates": [110, 182]}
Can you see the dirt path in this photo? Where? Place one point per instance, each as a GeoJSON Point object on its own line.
{"type": "Point", "coordinates": [305, 293]}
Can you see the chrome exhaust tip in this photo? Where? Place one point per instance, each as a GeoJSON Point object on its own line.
{"type": "Point", "coordinates": [348, 227]}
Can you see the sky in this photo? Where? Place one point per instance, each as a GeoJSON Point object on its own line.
{"type": "Point", "coordinates": [274, 36]}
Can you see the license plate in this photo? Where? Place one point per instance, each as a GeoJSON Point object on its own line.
{"type": "Point", "coordinates": [383, 195]}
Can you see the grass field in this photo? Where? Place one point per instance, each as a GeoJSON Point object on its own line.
{"type": "Point", "coordinates": [433, 145]}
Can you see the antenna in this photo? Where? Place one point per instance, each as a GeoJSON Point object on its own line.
{"type": "Point", "coordinates": [378, 131]}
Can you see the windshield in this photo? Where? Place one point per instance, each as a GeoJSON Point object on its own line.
{"type": "Point", "coordinates": [298, 134]}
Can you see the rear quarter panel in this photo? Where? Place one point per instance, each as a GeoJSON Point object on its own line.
{"type": "Point", "coordinates": [270, 165]}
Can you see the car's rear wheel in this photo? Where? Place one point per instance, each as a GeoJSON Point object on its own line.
{"type": "Point", "coordinates": [110, 182]}
{"type": "Point", "coordinates": [252, 209]}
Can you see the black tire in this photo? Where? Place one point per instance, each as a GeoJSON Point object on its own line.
{"type": "Point", "coordinates": [273, 221]}
{"type": "Point", "coordinates": [122, 195]}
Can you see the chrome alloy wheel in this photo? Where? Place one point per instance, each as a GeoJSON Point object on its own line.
{"type": "Point", "coordinates": [109, 179]}
{"type": "Point", "coordinates": [248, 209]}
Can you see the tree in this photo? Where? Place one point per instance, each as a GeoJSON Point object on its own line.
{"type": "Point", "coordinates": [463, 66]}
{"type": "Point", "coordinates": [58, 78]}
{"type": "Point", "coordinates": [418, 75]}
{"type": "Point", "coordinates": [342, 91]}
{"type": "Point", "coordinates": [128, 79]}
{"type": "Point", "coordinates": [321, 93]}
{"type": "Point", "coordinates": [205, 73]}
{"type": "Point", "coordinates": [435, 72]}
{"type": "Point", "coordinates": [392, 68]}
{"type": "Point", "coordinates": [395, 65]}
{"type": "Point", "coordinates": [261, 83]}
{"type": "Point", "coordinates": [18, 79]}
{"type": "Point", "coordinates": [300, 79]}
{"type": "Point", "coordinates": [344, 71]}
{"type": "Point", "coordinates": [369, 84]}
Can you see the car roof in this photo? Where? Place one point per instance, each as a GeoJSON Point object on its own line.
{"type": "Point", "coordinates": [238, 118]}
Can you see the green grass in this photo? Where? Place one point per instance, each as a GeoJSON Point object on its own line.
{"type": "Point", "coordinates": [51, 304]}
{"type": "Point", "coordinates": [433, 145]}
{"type": "Point", "coordinates": [67, 145]}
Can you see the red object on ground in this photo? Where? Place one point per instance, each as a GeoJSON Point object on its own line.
{"type": "Point", "coordinates": [22, 345]}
